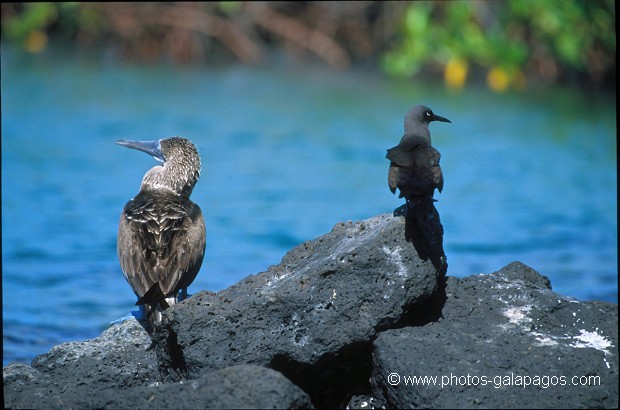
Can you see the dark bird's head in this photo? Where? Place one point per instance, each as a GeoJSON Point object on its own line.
{"type": "Point", "coordinates": [416, 123]}
{"type": "Point", "coordinates": [180, 166]}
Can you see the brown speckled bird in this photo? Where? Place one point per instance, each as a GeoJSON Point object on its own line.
{"type": "Point", "coordinates": [161, 234]}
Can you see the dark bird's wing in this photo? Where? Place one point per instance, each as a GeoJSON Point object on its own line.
{"type": "Point", "coordinates": [427, 163]}
{"type": "Point", "coordinates": [421, 177]}
{"type": "Point", "coordinates": [400, 156]}
{"type": "Point", "coordinates": [161, 240]}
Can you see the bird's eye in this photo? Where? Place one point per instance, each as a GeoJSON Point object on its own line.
{"type": "Point", "coordinates": [428, 113]}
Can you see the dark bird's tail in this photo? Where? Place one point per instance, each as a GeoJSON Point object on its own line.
{"type": "Point", "coordinates": [155, 302]}
{"type": "Point", "coordinates": [424, 230]}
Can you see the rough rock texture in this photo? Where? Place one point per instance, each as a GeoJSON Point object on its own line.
{"type": "Point", "coordinates": [236, 387]}
{"type": "Point", "coordinates": [329, 325]}
{"type": "Point", "coordinates": [116, 370]}
{"type": "Point", "coordinates": [312, 317]}
{"type": "Point", "coordinates": [498, 333]}
{"type": "Point", "coordinates": [244, 386]}
{"type": "Point", "coordinates": [118, 359]}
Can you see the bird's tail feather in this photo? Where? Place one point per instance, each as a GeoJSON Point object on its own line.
{"type": "Point", "coordinates": [155, 302]}
{"type": "Point", "coordinates": [423, 228]}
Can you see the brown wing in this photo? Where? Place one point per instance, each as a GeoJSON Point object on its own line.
{"type": "Point", "coordinates": [161, 240]}
{"type": "Point", "coordinates": [189, 248]}
{"type": "Point", "coordinates": [393, 177]}
{"type": "Point", "coordinates": [400, 156]}
{"type": "Point", "coordinates": [421, 177]}
{"type": "Point", "coordinates": [429, 171]}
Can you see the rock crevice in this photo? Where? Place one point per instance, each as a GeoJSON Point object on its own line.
{"type": "Point", "coordinates": [329, 326]}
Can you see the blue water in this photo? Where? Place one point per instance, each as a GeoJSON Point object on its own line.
{"type": "Point", "coordinates": [287, 153]}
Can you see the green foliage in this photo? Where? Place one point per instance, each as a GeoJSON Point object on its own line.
{"type": "Point", "coordinates": [34, 17]}
{"type": "Point", "coordinates": [229, 7]}
{"type": "Point", "coordinates": [509, 40]}
{"type": "Point", "coordinates": [507, 34]}
{"type": "Point", "coordinates": [569, 28]}
{"type": "Point", "coordinates": [64, 18]}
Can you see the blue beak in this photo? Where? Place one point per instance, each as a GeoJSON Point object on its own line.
{"type": "Point", "coordinates": [152, 148]}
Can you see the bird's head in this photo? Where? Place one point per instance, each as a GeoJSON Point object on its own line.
{"type": "Point", "coordinates": [417, 120]}
{"type": "Point", "coordinates": [421, 114]}
{"type": "Point", "coordinates": [180, 164]}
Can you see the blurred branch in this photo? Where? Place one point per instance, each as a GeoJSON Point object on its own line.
{"type": "Point", "coordinates": [131, 19]}
{"type": "Point", "coordinates": [505, 41]}
{"type": "Point", "coordinates": [295, 31]}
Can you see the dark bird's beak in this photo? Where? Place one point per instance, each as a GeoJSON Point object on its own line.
{"type": "Point", "coordinates": [152, 148]}
{"type": "Point", "coordinates": [438, 118]}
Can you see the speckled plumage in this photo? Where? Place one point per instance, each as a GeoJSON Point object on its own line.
{"type": "Point", "coordinates": [161, 234]}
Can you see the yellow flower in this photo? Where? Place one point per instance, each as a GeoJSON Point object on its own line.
{"type": "Point", "coordinates": [498, 79]}
{"type": "Point", "coordinates": [455, 73]}
{"type": "Point", "coordinates": [36, 41]}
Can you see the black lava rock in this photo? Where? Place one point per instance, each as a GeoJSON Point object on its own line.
{"type": "Point", "coordinates": [236, 387]}
{"type": "Point", "coordinates": [116, 360]}
{"type": "Point", "coordinates": [347, 319]}
{"type": "Point", "coordinates": [312, 317]}
{"type": "Point", "coordinates": [505, 340]}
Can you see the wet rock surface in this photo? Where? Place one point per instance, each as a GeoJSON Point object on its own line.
{"type": "Point", "coordinates": [326, 328]}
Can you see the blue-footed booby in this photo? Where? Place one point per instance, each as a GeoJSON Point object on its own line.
{"type": "Point", "coordinates": [414, 163]}
{"type": "Point", "coordinates": [161, 234]}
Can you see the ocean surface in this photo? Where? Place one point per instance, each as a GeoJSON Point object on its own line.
{"type": "Point", "coordinates": [287, 153]}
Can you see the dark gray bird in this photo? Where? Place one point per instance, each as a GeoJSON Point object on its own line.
{"type": "Point", "coordinates": [414, 163]}
{"type": "Point", "coordinates": [161, 234]}
{"type": "Point", "coordinates": [415, 171]}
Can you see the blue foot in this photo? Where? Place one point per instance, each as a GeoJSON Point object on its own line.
{"type": "Point", "coordinates": [138, 314]}
{"type": "Point", "coordinates": [183, 295]}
